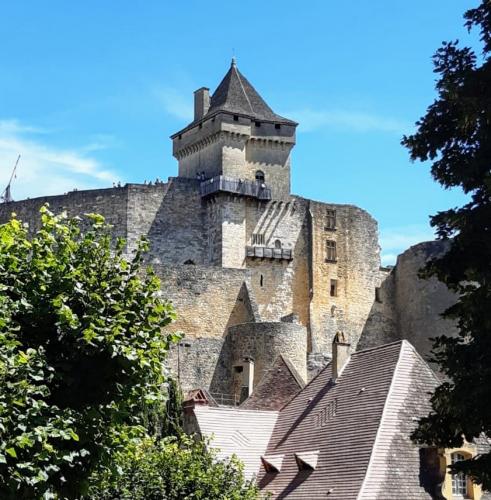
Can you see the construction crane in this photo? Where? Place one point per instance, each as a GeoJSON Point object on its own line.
{"type": "Point", "coordinates": [6, 196]}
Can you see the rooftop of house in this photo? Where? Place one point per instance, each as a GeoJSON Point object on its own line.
{"type": "Point", "coordinates": [355, 431]}
{"type": "Point", "coordinates": [244, 433]}
{"type": "Point", "coordinates": [277, 386]}
{"type": "Point", "coordinates": [346, 437]}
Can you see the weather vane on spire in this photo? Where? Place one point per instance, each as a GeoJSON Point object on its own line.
{"type": "Point", "coordinates": [234, 59]}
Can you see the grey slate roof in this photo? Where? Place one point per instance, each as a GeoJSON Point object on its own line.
{"type": "Point", "coordinates": [360, 426]}
{"type": "Point", "coordinates": [244, 433]}
{"type": "Point", "coordinates": [277, 386]}
{"type": "Point", "coordinates": [236, 95]}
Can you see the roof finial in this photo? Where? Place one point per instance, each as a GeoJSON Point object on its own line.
{"type": "Point", "coordinates": [234, 61]}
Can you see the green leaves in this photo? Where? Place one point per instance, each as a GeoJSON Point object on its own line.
{"type": "Point", "coordinates": [81, 347]}
{"type": "Point", "coordinates": [174, 469]}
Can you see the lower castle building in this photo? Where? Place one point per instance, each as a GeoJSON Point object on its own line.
{"type": "Point", "coordinates": [254, 271]}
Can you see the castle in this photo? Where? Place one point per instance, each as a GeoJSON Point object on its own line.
{"type": "Point", "coordinates": [254, 271]}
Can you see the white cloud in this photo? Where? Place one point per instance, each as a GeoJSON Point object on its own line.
{"type": "Point", "coordinates": [310, 120]}
{"type": "Point", "coordinates": [394, 240]}
{"type": "Point", "coordinates": [175, 103]}
{"type": "Point", "coordinates": [45, 169]}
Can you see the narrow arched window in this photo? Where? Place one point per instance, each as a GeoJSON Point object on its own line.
{"type": "Point", "coordinates": [277, 244]}
{"type": "Point", "coordinates": [260, 176]}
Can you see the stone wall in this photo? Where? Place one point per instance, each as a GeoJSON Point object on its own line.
{"type": "Point", "coordinates": [281, 286]}
{"type": "Point", "coordinates": [355, 274]}
{"type": "Point", "coordinates": [111, 203]}
{"type": "Point", "coordinates": [237, 147]}
{"type": "Point", "coordinates": [419, 303]}
{"type": "Point", "coordinates": [265, 341]}
{"type": "Point", "coordinates": [410, 308]}
{"type": "Point", "coordinates": [208, 300]}
{"type": "Point", "coordinates": [173, 218]}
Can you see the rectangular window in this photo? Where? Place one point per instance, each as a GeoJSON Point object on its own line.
{"type": "Point", "coordinates": [258, 239]}
{"type": "Point", "coordinates": [331, 255]}
{"type": "Point", "coordinates": [334, 288]}
{"type": "Point", "coordinates": [378, 297]}
{"type": "Point", "coordinates": [330, 220]}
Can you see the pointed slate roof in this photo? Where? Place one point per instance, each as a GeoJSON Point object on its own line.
{"type": "Point", "coordinates": [358, 428]}
{"type": "Point", "coordinates": [236, 95]}
{"type": "Point", "coordinates": [279, 384]}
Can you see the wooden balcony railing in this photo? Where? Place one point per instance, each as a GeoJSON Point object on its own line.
{"type": "Point", "coordinates": [237, 186]}
{"type": "Point", "coordinates": [269, 253]}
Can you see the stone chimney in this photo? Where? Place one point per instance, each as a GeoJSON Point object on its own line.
{"type": "Point", "coordinates": [249, 375]}
{"type": "Point", "coordinates": [201, 102]}
{"type": "Point", "coordinates": [340, 354]}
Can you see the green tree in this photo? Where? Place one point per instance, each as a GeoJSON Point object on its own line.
{"type": "Point", "coordinates": [81, 349]}
{"type": "Point", "coordinates": [172, 469]}
{"type": "Point", "coordinates": [455, 135]}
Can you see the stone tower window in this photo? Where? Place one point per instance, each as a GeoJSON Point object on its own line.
{"type": "Point", "coordinates": [260, 176]}
{"type": "Point", "coordinates": [236, 118]}
{"type": "Point", "coordinates": [334, 288]}
{"type": "Point", "coordinates": [378, 297]}
{"type": "Point", "coordinates": [330, 220]}
{"type": "Point", "coordinates": [261, 280]}
{"type": "Point", "coordinates": [257, 124]}
{"type": "Point", "coordinates": [331, 254]}
{"type": "Point", "coordinates": [277, 244]}
{"type": "Point", "coordinates": [277, 126]}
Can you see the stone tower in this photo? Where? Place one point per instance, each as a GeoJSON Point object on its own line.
{"type": "Point", "coordinates": [240, 151]}
{"type": "Point", "coordinates": [236, 135]}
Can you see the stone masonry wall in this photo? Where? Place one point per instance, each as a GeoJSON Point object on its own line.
{"type": "Point", "coordinates": [111, 203]}
{"type": "Point", "coordinates": [173, 217]}
{"type": "Point", "coordinates": [355, 271]}
{"type": "Point", "coordinates": [208, 300]}
{"type": "Point", "coordinates": [265, 341]}
{"type": "Point", "coordinates": [281, 286]}
{"type": "Point", "coordinates": [419, 303]}
{"type": "Point", "coordinates": [410, 308]}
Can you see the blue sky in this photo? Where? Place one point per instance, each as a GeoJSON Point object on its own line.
{"type": "Point", "coordinates": [90, 92]}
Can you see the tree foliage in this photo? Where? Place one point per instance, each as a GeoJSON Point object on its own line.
{"type": "Point", "coordinates": [172, 469]}
{"type": "Point", "coordinates": [81, 350]}
{"type": "Point", "coordinates": [455, 135]}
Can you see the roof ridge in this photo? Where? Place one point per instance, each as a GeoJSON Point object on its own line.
{"type": "Point", "coordinates": [382, 346]}
{"type": "Point", "coordinates": [306, 385]}
{"type": "Point", "coordinates": [382, 417]}
{"type": "Point", "coordinates": [237, 408]}
{"type": "Point", "coordinates": [298, 379]}
{"type": "Point", "coordinates": [406, 344]}
{"type": "Point", "coordinates": [242, 87]}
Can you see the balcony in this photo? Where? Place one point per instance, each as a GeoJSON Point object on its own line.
{"type": "Point", "coordinates": [236, 186]}
{"type": "Point", "coordinates": [269, 253]}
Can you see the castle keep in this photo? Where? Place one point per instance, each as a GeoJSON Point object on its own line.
{"type": "Point", "coordinates": [254, 271]}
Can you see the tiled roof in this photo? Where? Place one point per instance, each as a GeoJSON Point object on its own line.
{"type": "Point", "coordinates": [244, 433]}
{"type": "Point", "coordinates": [236, 95]}
{"type": "Point", "coordinates": [277, 386]}
{"type": "Point", "coordinates": [371, 409]}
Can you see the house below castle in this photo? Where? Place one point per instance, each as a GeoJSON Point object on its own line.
{"type": "Point", "coordinates": [344, 436]}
